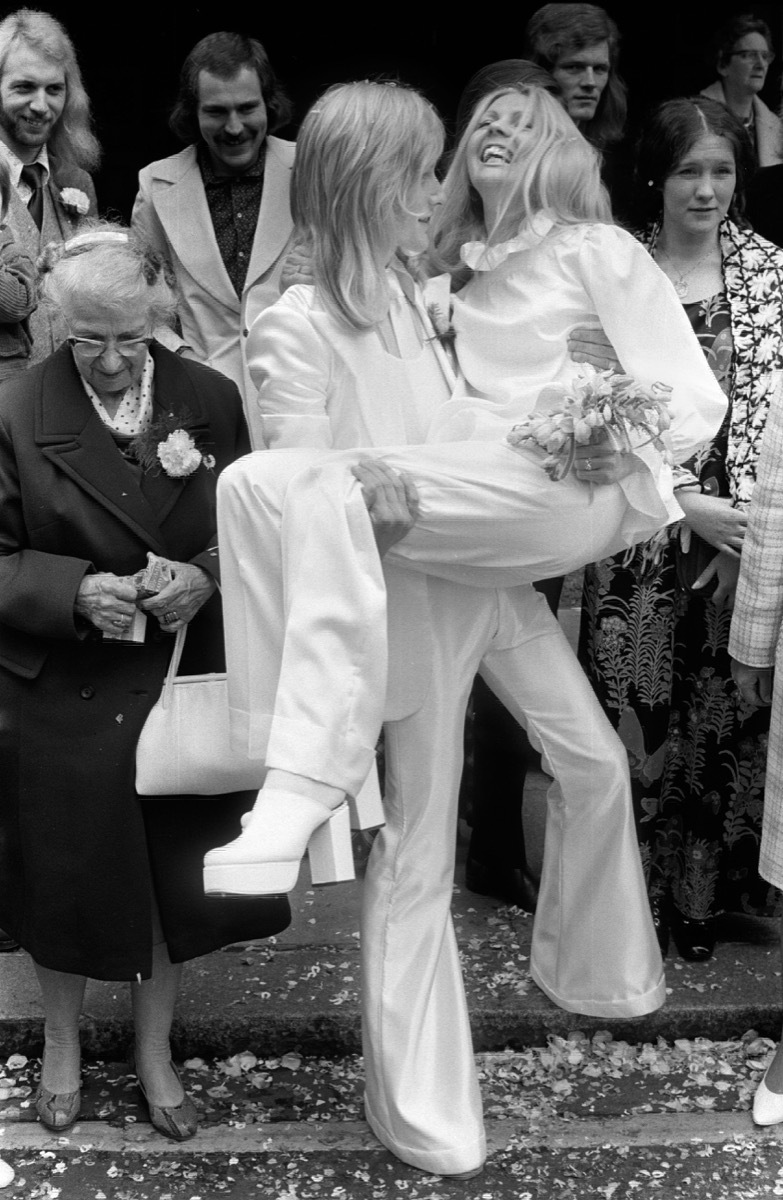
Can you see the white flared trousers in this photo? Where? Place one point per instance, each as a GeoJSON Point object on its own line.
{"type": "Point", "coordinates": [594, 947]}
{"type": "Point", "coordinates": [308, 572]}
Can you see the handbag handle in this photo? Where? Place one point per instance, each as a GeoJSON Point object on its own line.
{"type": "Point", "coordinates": [171, 674]}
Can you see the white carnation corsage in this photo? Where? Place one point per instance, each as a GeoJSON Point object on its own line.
{"type": "Point", "coordinates": [167, 444]}
{"type": "Point", "coordinates": [75, 202]}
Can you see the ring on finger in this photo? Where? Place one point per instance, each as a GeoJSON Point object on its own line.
{"type": "Point", "coordinates": [170, 617]}
{"type": "Point", "coordinates": [588, 465]}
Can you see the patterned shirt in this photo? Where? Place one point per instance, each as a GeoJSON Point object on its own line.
{"type": "Point", "coordinates": [234, 202]}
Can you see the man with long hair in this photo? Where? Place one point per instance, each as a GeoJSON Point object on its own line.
{"type": "Point", "coordinates": [219, 209]}
{"type": "Point", "coordinates": [579, 44]}
{"type": "Point", "coordinates": [46, 139]}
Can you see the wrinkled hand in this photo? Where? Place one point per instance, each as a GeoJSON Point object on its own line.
{"type": "Point", "coordinates": [754, 684]}
{"type": "Point", "coordinates": [726, 566]}
{"type": "Point", "coordinates": [715, 519]}
{"type": "Point", "coordinates": [599, 462]}
{"type": "Point", "coordinates": [297, 266]}
{"type": "Point", "coordinates": [589, 344]}
{"type": "Point", "coordinates": [391, 499]}
{"type": "Point", "coordinates": [107, 601]}
{"type": "Point", "coordinates": [190, 587]}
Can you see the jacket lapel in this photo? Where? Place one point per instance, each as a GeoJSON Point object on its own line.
{"type": "Point", "coordinates": [181, 204]}
{"type": "Point", "coordinates": [73, 437]}
{"type": "Point", "coordinates": [173, 392]}
{"type": "Point", "coordinates": [274, 218]}
{"type": "Point", "coordinates": [23, 224]}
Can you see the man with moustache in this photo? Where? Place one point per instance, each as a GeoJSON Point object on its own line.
{"type": "Point", "coordinates": [219, 210]}
{"type": "Point", "coordinates": [47, 141]}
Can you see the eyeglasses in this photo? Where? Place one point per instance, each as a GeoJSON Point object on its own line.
{"type": "Point", "coordinates": [763, 56]}
{"type": "Point", "coordinates": [94, 347]}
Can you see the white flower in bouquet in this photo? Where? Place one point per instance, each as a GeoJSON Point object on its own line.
{"type": "Point", "coordinates": [596, 406]}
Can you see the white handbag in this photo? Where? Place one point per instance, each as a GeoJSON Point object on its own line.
{"type": "Point", "coordinates": [185, 745]}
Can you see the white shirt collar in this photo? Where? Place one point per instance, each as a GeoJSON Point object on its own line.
{"type": "Point", "coordinates": [15, 163]}
{"type": "Point", "coordinates": [481, 257]}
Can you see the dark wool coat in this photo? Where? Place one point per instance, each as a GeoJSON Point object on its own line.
{"type": "Point", "coordinates": [80, 851]}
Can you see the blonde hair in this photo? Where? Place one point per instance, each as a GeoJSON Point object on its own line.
{"type": "Point", "coordinates": [72, 138]}
{"type": "Point", "coordinates": [359, 151]}
{"type": "Point", "coordinates": [106, 266]}
{"type": "Point", "coordinates": [558, 176]}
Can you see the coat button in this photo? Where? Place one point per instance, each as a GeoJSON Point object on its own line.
{"type": "Point", "coordinates": [87, 693]}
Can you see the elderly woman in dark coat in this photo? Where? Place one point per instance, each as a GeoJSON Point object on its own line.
{"type": "Point", "coordinates": [96, 881]}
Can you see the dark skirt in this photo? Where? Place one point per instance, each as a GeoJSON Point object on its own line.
{"type": "Point", "coordinates": [80, 851]}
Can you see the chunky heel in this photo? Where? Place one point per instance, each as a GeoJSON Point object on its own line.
{"type": "Point", "coordinates": [330, 851]}
{"type": "Point", "coordinates": [265, 859]}
{"type": "Point", "coordinates": [367, 808]}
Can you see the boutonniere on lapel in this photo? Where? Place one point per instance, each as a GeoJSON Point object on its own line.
{"type": "Point", "coordinates": [444, 330]}
{"type": "Point", "coordinates": [169, 445]}
{"type": "Point", "coordinates": [75, 202]}
{"type": "Point", "coordinates": [437, 298]}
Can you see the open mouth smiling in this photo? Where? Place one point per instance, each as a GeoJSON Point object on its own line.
{"type": "Point", "coordinates": [496, 154]}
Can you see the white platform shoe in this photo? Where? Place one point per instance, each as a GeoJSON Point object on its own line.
{"type": "Point", "coordinates": [767, 1105]}
{"type": "Point", "coordinates": [265, 859]}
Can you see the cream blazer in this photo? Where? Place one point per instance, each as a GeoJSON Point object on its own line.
{"type": "Point", "coordinates": [171, 213]}
{"type": "Point", "coordinates": [321, 384]}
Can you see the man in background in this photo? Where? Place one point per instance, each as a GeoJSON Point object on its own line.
{"type": "Point", "coordinates": [219, 210]}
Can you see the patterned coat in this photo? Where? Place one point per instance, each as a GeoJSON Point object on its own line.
{"type": "Point", "coordinates": [753, 277]}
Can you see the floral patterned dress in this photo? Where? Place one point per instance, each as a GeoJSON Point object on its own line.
{"type": "Point", "coordinates": [658, 660]}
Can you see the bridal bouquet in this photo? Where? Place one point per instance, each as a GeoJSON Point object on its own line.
{"type": "Point", "coordinates": [597, 405]}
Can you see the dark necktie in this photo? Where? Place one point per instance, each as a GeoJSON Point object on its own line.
{"type": "Point", "coordinates": [32, 175]}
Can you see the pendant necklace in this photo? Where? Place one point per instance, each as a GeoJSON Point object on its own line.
{"type": "Point", "coordinates": [681, 282]}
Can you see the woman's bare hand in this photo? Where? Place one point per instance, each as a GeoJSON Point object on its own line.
{"type": "Point", "coordinates": [715, 519]}
{"type": "Point", "coordinates": [297, 266]}
{"type": "Point", "coordinates": [179, 601]}
{"type": "Point", "coordinates": [107, 601]}
{"type": "Point", "coordinates": [725, 566]}
{"type": "Point", "coordinates": [391, 498]}
{"type": "Point", "coordinates": [600, 462]}
{"type": "Point", "coordinates": [589, 344]}
{"type": "Point", "coordinates": [754, 684]}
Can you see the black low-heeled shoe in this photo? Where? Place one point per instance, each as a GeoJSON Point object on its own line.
{"type": "Point", "coordinates": [695, 940]}
{"type": "Point", "coordinates": [513, 885]}
{"type": "Point", "coordinates": [660, 917]}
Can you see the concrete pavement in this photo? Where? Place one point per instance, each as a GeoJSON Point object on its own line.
{"type": "Point", "coordinates": [300, 990]}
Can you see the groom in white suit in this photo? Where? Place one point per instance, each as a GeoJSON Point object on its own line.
{"type": "Point", "coordinates": [219, 210]}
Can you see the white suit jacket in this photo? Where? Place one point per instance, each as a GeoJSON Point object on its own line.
{"type": "Point", "coordinates": [171, 212]}
{"type": "Point", "coordinates": [322, 384]}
